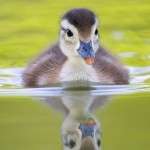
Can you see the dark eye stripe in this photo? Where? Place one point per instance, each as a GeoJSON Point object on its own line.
{"type": "Point", "coordinates": [63, 29]}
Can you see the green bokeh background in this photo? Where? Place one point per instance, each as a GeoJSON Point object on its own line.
{"type": "Point", "coordinates": [28, 26]}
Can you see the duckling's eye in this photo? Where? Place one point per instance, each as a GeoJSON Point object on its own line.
{"type": "Point", "coordinates": [72, 144]}
{"type": "Point", "coordinates": [96, 31]}
{"type": "Point", "coordinates": [69, 33]}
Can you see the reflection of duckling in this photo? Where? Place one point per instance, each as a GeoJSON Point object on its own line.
{"type": "Point", "coordinates": [80, 128]}
{"type": "Point", "coordinates": [77, 56]}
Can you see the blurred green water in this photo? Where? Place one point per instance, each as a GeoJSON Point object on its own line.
{"type": "Point", "coordinates": [125, 122]}
{"type": "Point", "coordinates": [25, 124]}
{"type": "Point", "coordinates": [26, 27]}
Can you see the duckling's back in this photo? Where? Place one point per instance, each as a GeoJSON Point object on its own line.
{"type": "Point", "coordinates": [109, 68]}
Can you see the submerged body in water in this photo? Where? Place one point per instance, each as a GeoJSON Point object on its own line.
{"type": "Point", "coordinates": [77, 56]}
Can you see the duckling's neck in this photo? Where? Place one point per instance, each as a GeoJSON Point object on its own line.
{"type": "Point", "coordinates": [76, 69]}
{"type": "Point", "coordinates": [76, 60]}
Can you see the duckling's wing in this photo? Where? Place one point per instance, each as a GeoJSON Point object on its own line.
{"type": "Point", "coordinates": [109, 69]}
{"type": "Point", "coordinates": [45, 68]}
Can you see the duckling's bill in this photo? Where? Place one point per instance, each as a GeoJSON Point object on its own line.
{"type": "Point", "coordinates": [86, 52]}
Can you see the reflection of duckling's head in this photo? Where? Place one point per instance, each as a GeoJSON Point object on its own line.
{"type": "Point", "coordinates": [81, 135]}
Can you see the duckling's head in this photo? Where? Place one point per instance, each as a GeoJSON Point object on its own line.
{"type": "Point", "coordinates": [79, 36]}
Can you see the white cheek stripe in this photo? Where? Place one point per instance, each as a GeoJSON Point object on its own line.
{"type": "Point", "coordinates": [66, 25]}
{"type": "Point", "coordinates": [69, 45]}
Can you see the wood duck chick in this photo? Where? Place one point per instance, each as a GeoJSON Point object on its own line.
{"type": "Point", "coordinates": [77, 55]}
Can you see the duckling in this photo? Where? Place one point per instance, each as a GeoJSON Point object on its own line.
{"type": "Point", "coordinates": [77, 55]}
